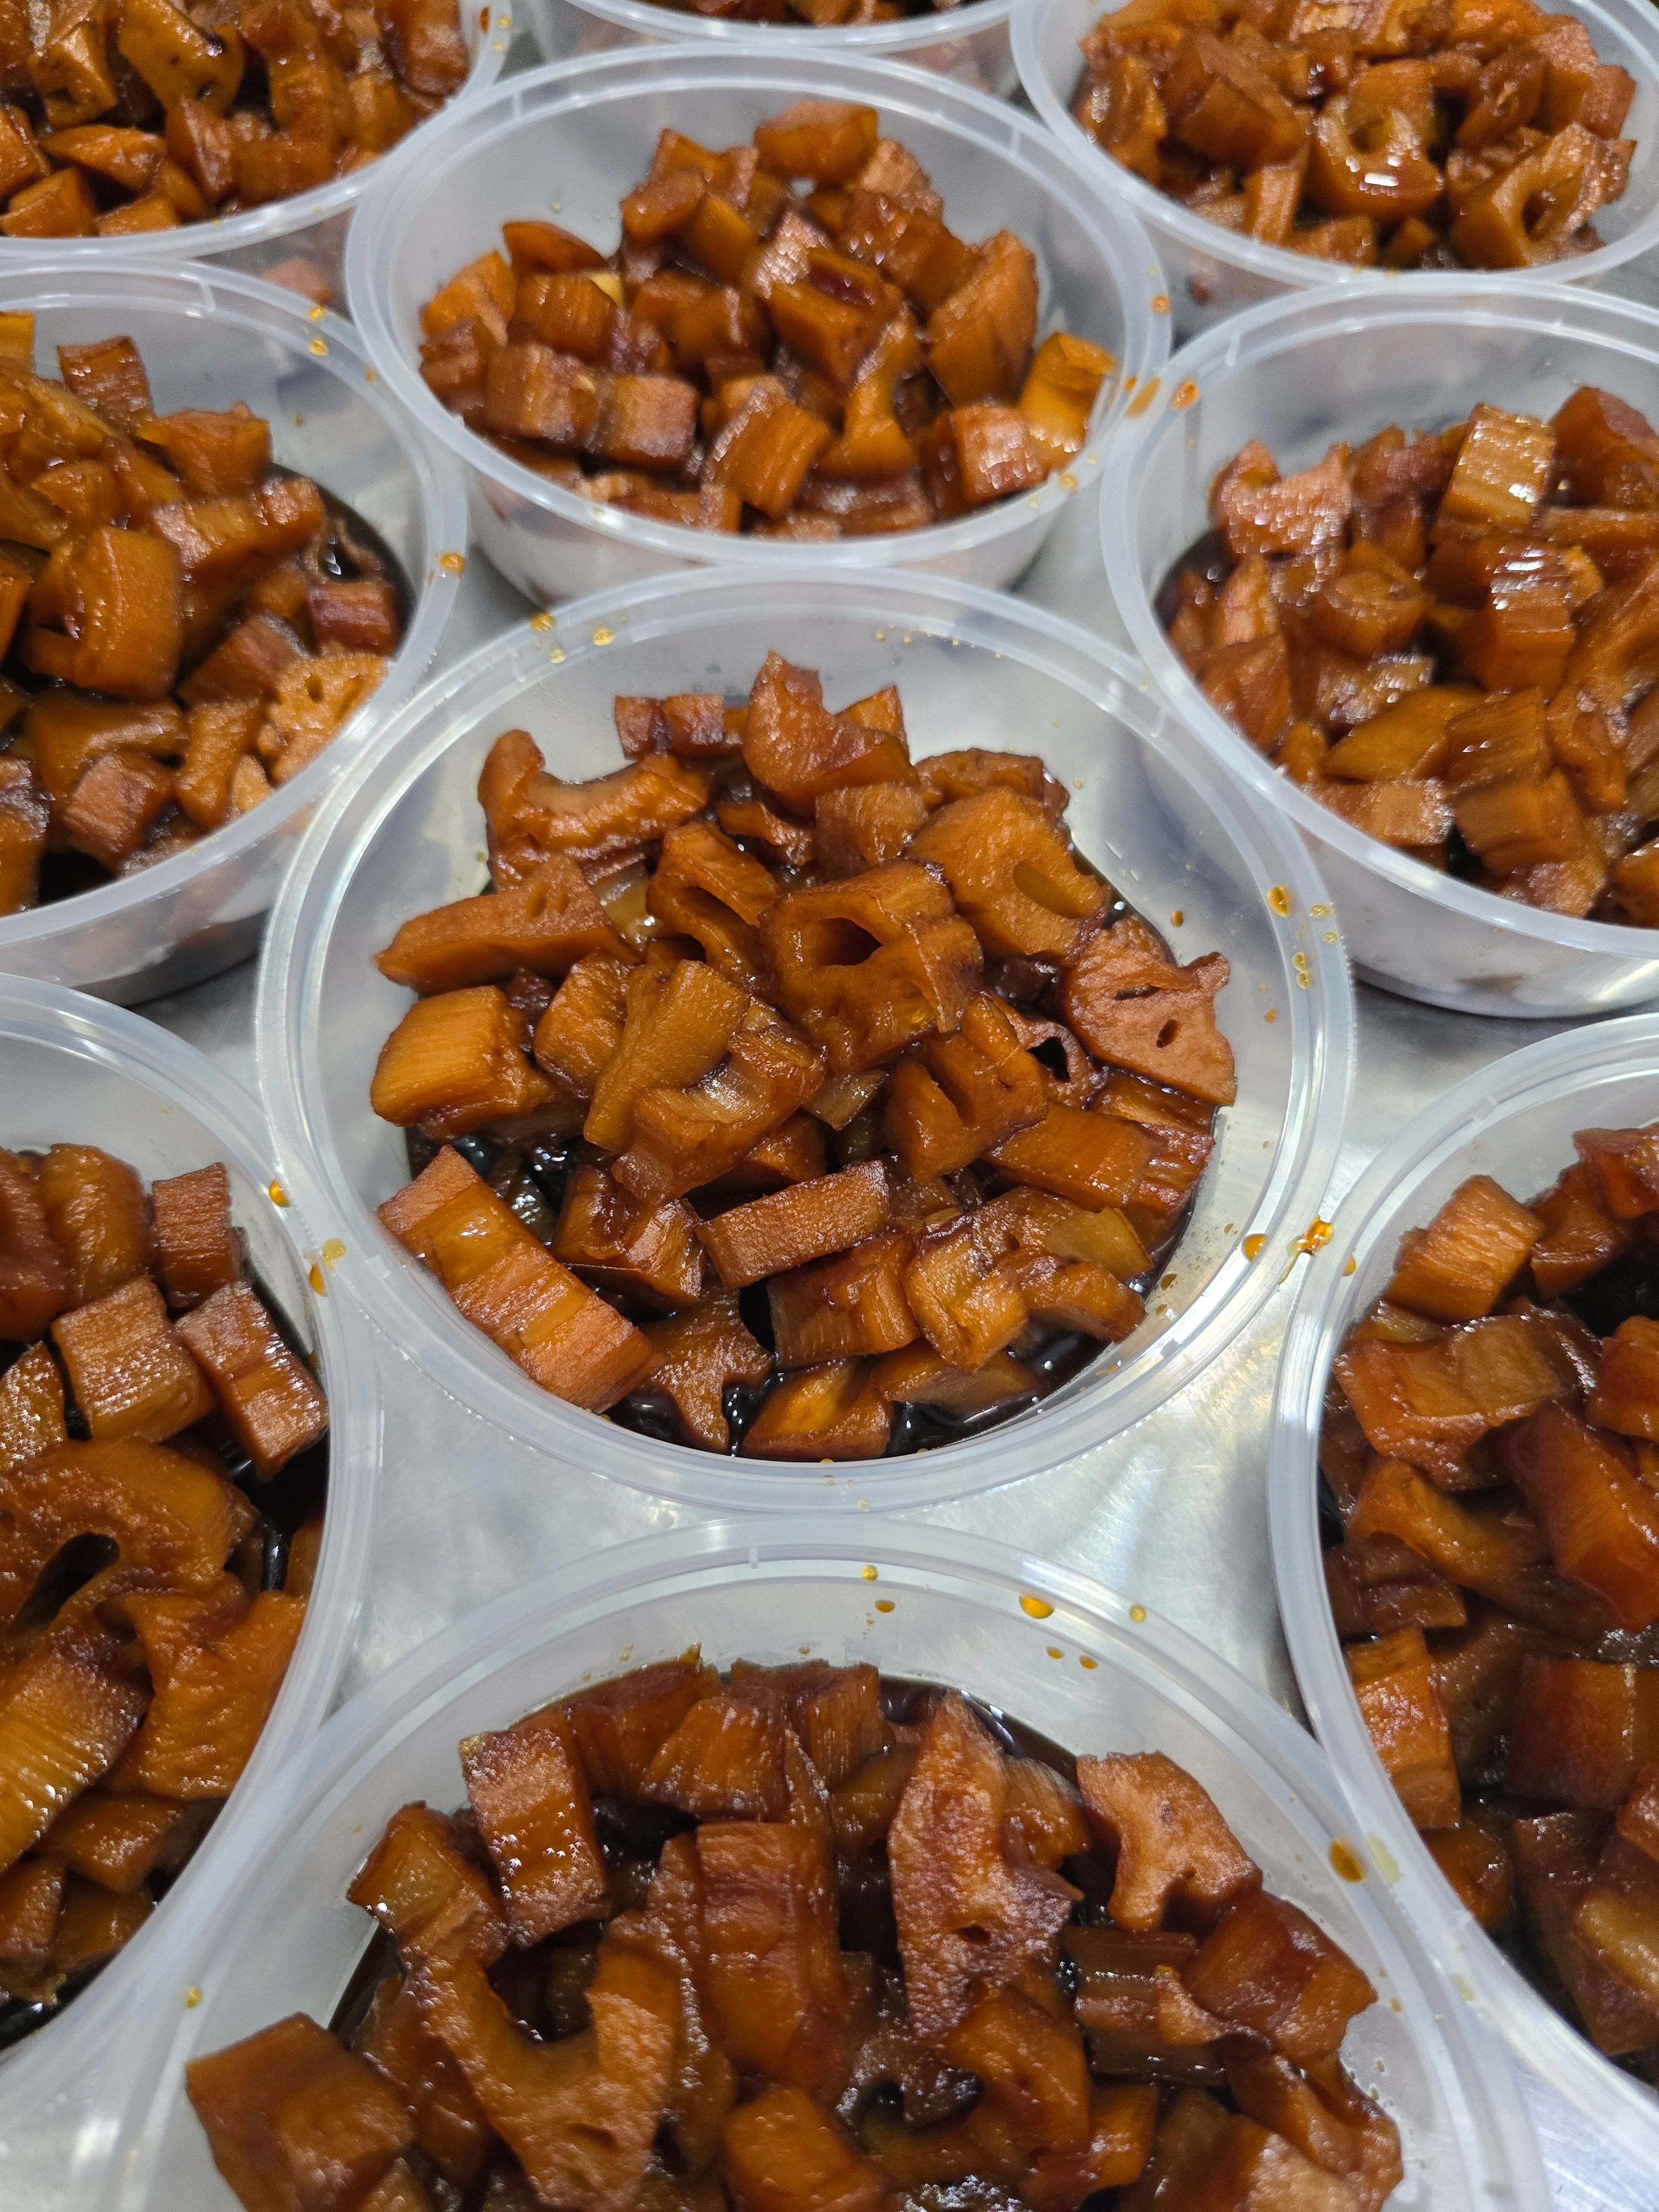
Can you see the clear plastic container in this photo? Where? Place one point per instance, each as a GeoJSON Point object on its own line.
{"type": "Point", "coordinates": [571, 140]}
{"type": "Point", "coordinates": [1214, 273]}
{"type": "Point", "coordinates": [74, 1071]}
{"type": "Point", "coordinates": [301, 241]}
{"type": "Point", "coordinates": [209, 338]}
{"type": "Point", "coordinates": [1174, 834]}
{"type": "Point", "coordinates": [1300, 374]}
{"type": "Point", "coordinates": [1514, 1121]}
{"type": "Point", "coordinates": [280, 1938]}
{"type": "Point", "coordinates": [971, 44]}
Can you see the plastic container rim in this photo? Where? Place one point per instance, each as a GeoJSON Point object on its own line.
{"type": "Point", "coordinates": [207, 291]}
{"type": "Point", "coordinates": [470, 1369]}
{"type": "Point", "coordinates": [1300, 272]}
{"type": "Point", "coordinates": [1123, 249]}
{"type": "Point", "coordinates": [1246, 342]}
{"type": "Point", "coordinates": [1539, 2036]}
{"type": "Point", "coordinates": [713, 1555]}
{"type": "Point", "coordinates": [682, 28]}
{"type": "Point", "coordinates": [189, 241]}
{"type": "Point", "coordinates": [56, 2057]}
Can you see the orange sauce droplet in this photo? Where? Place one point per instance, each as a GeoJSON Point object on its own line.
{"type": "Point", "coordinates": [1183, 395]}
{"type": "Point", "coordinates": [1345, 1862]}
{"type": "Point", "coordinates": [1254, 1246]}
{"type": "Point", "coordinates": [1137, 1612]}
{"type": "Point", "coordinates": [1160, 303]}
{"type": "Point", "coordinates": [1279, 899]}
{"type": "Point", "coordinates": [1084, 1659]}
{"type": "Point", "coordinates": [883, 1605]}
{"type": "Point", "coordinates": [1144, 398]}
{"type": "Point", "coordinates": [277, 1195]}
{"type": "Point", "coordinates": [868, 1573]}
{"type": "Point", "coordinates": [542, 622]}
{"type": "Point", "coordinates": [1038, 1607]}
{"type": "Point", "coordinates": [452, 563]}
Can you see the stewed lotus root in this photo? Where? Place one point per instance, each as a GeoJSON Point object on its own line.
{"type": "Point", "coordinates": [799, 1938]}
{"type": "Point", "coordinates": [786, 1095]}
{"type": "Point", "coordinates": [810, 367]}
{"type": "Point", "coordinates": [161, 1480]}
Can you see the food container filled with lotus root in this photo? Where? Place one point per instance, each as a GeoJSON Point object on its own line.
{"type": "Point", "coordinates": [227, 558]}
{"type": "Point", "coordinates": [189, 1451]}
{"type": "Point", "coordinates": [1449, 516]}
{"type": "Point", "coordinates": [726, 308]}
{"type": "Point", "coordinates": [970, 41]}
{"type": "Point", "coordinates": [1297, 147]}
{"type": "Point", "coordinates": [1465, 1532]}
{"type": "Point", "coordinates": [144, 131]}
{"type": "Point", "coordinates": [884, 1071]}
{"type": "Point", "coordinates": [941, 1852]}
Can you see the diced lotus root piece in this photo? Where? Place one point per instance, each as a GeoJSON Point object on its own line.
{"type": "Point", "coordinates": [622, 1724]}
{"type": "Point", "coordinates": [1132, 1005]}
{"type": "Point", "coordinates": [315, 701]}
{"type": "Point", "coordinates": [790, 1227]}
{"type": "Point", "coordinates": [870, 964]}
{"type": "Point", "coordinates": [1045, 1819]}
{"type": "Point", "coordinates": [1266, 1967]}
{"type": "Point", "coordinates": [527, 1790]}
{"type": "Point", "coordinates": [1405, 1718]}
{"type": "Point", "coordinates": [1617, 1916]}
{"type": "Point", "coordinates": [563, 1335]}
{"type": "Point", "coordinates": [1013, 874]}
{"type": "Point", "coordinates": [32, 1412]}
{"type": "Point", "coordinates": [834, 1711]}
{"type": "Point", "coordinates": [951, 1099]}
{"type": "Point", "coordinates": [699, 1354]}
{"type": "Point", "coordinates": [117, 1841]}
{"type": "Point", "coordinates": [198, 1249]}
{"type": "Point", "coordinates": [1556, 1856]}
{"type": "Point", "coordinates": [1600, 1520]}
{"type": "Point", "coordinates": [691, 725]}
{"type": "Point", "coordinates": [772, 1963]}
{"type": "Point", "coordinates": [427, 1884]}
{"type": "Point", "coordinates": [455, 1063]}
{"type": "Point", "coordinates": [531, 815]}
{"type": "Point", "coordinates": [1430, 1403]}
{"type": "Point", "coordinates": [580, 2114]}
{"type": "Point", "coordinates": [65, 1718]}
{"type": "Point", "coordinates": [965, 1913]}
{"type": "Point", "coordinates": [449, 2125]}
{"type": "Point", "coordinates": [215, 1682]}
{"type": "Point", "coordinates": [1460, 1267]}
{"type": "Point", "coordinates": [678, 1024]}
{"type": "Point", "coordinates": [852, 1307]}
{"type": "Point", "coordinates": [265, 1391]}
{"type": "Point", "coordinates": [963, 1293]}
{"type": "Point", "coordinates": [1625, 1166]}
{"type": "Point", "coordinates": [132, 1373]}
{"type": "Point", "coordinates": [830, 1412]}
{"type": "Point", "coordinates": [290, 2104]}
{"type": "Point", "coordinates": [1172, 1843]}
{"type": "Point", "coordinates": [724, 1760]}
{"type": "Point", "coordinates": [98, 1216]}
{"type": "Point", "coordinates": [35, 1282]}
{"type": "Point", "coordinates": [706, 888]}
{"type": "Point", "coordinates": [794, 747]}
{"type": "Point", "coordinates": [651, 1252]}
{"type": "Point", "coordinates": [547, 921]}
{"type": "Point", "coordinates": [582, 1024]}
{"type": "Point", "coordinates": [863, 825]}
{"type": "Point", "coordinates": [780, 2152]}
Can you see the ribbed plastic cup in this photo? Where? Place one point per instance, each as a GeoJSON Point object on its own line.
{"type": "Point", "coordinates": [570, 141]}
{"type": "Point", "coordinates": [1190, 845]}
{"type": "Point", "coordinates": [971, 44]}
{"type": "Point", "coordinates": [308, 228]}
{"type": "Point", "coordinates": [75, 1071]}
{"type": "Point", "coordinates": [1216, 273]}
{"type": "Point", "coordinates": [1300, 374]}
{"type": "Point", "coordinates": [1514, 1121]}
{"type": "Point", "coordinates": [1038, 1642]}
{"type": "Point", "coordinates": [209, 338]}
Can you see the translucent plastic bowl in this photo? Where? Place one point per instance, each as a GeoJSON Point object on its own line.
{"type": "Point", "coordinates": [1513, 1121]}
{"type": "Point", "coordinates": [209, 338]}
{"type": "Point", "coordinates": [1214, 273]}
{"type": "Point", "coordinates": [281, 1937]}
{"type": "Point", "coordinates": [572, 140]}
{"type": "Point", "coordinates": [403, 833]}
{"type": "Point", "coordinates": [72, 1071]}
{"type": "Point", "coordinates": [1300, 374]}
{"type": "Point", "coordinates": [299, 240]}
{"type": "Point", "coordinates": [971, 44]}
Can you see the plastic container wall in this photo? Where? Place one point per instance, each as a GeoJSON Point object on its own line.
{"type": "Point", "coordinates": [298, 242]}
{"type": "Point", "coordinates": [1215, 273]}
{"type": "Point", "coordinates": [209, 339]}
{"type": "Point", "coordinates": [572, 140]}
{"type": "Point", "coordinates": [972, 44]}
{"type": "Point", "coordinates": [283, 1938]}
{"type": "Point", "coordinates": [405, 834]}
{"type": "Point", "coordinates": [1300, 374]}
{"type": "Point", "coordinates": [72, 1071]}
{"type": "Point", "coordinates": [1515, 1122]}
